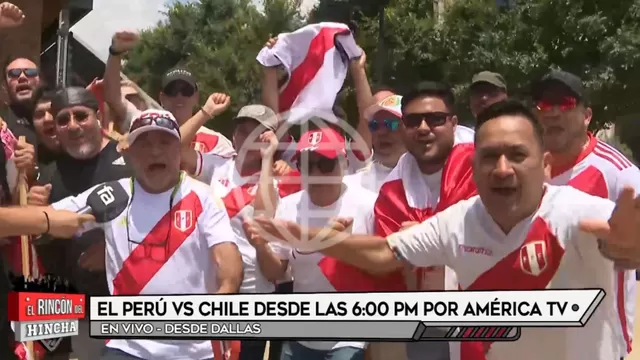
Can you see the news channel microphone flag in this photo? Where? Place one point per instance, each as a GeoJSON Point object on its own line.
{"type": "Point", "coordinates": [106, 202]}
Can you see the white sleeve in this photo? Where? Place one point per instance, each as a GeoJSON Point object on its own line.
{"type": "Point", "coordinates": [224, 147]}
{"type": "Point", "coordinates": [628, 177]}
{"type": "Point", "coordinates": [421, 245]}
{"type": "Point", "coordinates": [206, 164]}
{"type": "Point", "coordinates": [282, 250]}
{"type": "Point", "coordinates": [214, 223]}
{"type": "Point", "coordinates": [75, 203]}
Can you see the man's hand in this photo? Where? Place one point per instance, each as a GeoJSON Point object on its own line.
{"type": "Point", "coordinates": [281, 168]}
{"type": "Point", "coordinates": [65, 224]}
{"type": "Point", "coordinates": [359, 63]}
{"type": "Point", "coordinates": [10, 15]}
{"type": "Point", "coordinates": [216, 104]}
{"type": "Point", "coordinates": [24, 156]}
{"type": "Point", "coordinates": [619, 238]}
{"type": "Point", "coordinates": [123, 41]}
{"type": "Point", "coordinates": [407, 224]}
{"type": "Point", "coordinates": [272, 230]}
{"type": "Point", "coordinates": [271, 42]}
{"type": "Point", "coordinates": [271, 140]}
{"type": "Point", "coordinates": [39, 195]}
{"type": "Point", "coordinates": [93, 258]}
{"type": "Point", "coordinates": [341, 224]}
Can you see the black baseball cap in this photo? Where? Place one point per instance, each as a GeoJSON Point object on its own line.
{"type": "Point", "coordinates": [570, 81]}
{"type": "Point", "coordinates": [179, 74]}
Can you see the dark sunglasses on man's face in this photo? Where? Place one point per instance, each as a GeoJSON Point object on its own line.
{"type": "Point", "coordinates": [157, 120]}
{"type": "Point", "coordinates": [432, 119]}
{"type": "Point", "coordinates": [176, 88]}
{"type": "Point", "coordinates": [323, 164]}
{"type": "Point", "coordinates": [564, 104]}
{"type": "Point", "coordinates": [389, 124]}
{"type": "Point", "coordinates": [64, 118]}
{"type": "Point", "coordinates": [28, 72]}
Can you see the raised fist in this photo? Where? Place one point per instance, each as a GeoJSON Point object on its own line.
{"type": "Point", "coordinates": [216, 104]}
{"type": "Point", "coordinates": [123, 41]}
{"type": "Point", "coordinates": [10, 15]}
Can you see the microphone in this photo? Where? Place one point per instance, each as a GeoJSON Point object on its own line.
{"type": "Point", "coordinates": [106, 202]}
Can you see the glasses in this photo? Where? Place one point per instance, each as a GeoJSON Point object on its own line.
{"type": "Point", "coordinates": [156, 119]}
{"type": "Point", "coordinates": [432, 119]}
{"type": "Point", "coordinates": [323, 164]}
{"type": "Point", "coordinates": [389, 124]}
{"type": "Point", "coordinates": [176, 88]}
{"type": "Point", "coordinates": [564, 104]}
{"type": "Point", "coordinates": [28, 72]}
{"type": "Point", "coordinates": [64, 118]}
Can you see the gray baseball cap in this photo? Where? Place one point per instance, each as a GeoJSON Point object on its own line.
{"type": "Point", "coordinates": [260, 113]}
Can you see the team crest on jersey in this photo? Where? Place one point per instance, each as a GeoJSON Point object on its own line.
{"type": "Point", "coordinates": [51, 344]}
{"type": "Point", "coordinates": [199, 146]}
{"type": "Point", "coordinates": [183, 220]}
{"type": "Point", "coordinates": [533, 257]}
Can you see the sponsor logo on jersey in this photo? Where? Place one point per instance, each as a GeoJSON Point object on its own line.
{"type": "Point", "coordinates": [183, 220]}
{"type": "Point", "coordinates": [533, 257]}
{"type": "Point", "coordinates": [119, 161]}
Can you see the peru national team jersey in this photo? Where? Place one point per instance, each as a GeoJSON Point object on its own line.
{"type": "Point", "coordinates": [545, 251]}
{"type": "Point", "coordinates": [603, 171]}
{"type": "Point", "coordinates": [314, 272]}
{"type": "Point", "coordinates": [238, 193]}
{"type": "Point", "coordinates": [152, 249]}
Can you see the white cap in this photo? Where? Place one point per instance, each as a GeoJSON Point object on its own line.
{"type": "Point", "coordinates": [391, 104]}
{"type": "Point", "coordinates": [154, 115]}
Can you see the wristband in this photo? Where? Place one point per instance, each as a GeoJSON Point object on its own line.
{"type": "Point", "coordinates": [48, 223]}
{"type": "Point", "coordinates": [113, 52]}
{"type": "Point", "coordinates": [206, 113]}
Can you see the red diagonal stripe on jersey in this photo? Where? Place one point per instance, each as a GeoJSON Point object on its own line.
{"type": "Point", "coordinates": [302, 75]}
{"type": "Point", "coordinates": [238, 198]}
{"type": "Point", "coordinates": [529, 267]}
{"type": "Point", "coordinates": [138, 269]}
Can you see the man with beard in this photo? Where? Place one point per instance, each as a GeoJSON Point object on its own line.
{"type": "Point", "coordinates": [486, 88]}
{"type": "Point", "coordinates": [22, 78]}
{"type": "Point", "coordinates": [87, 159]}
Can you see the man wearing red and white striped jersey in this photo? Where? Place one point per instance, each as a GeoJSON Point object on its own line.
{"type": "Point", "coordinates": [174, 237]}
{"type": "Point", "coordinates": [518, 234]}
{"type": "Point", "coordinates": [580, 160]}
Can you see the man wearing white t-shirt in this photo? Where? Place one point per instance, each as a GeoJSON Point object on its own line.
{"type": "Point", "coordinates": [174, 237]}
{"type": "Point", "coordinates": [518, 234]}
{"type": "Point", "coordinates": [321, 157]}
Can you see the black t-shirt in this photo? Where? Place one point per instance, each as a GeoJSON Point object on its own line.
{"type": "Point", "coordinates": [70, 177]}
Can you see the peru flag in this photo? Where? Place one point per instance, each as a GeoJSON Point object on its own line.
{"type": "Point", "coordinates": [316, 58]}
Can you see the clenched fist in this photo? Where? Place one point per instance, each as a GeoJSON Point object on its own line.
{"type": "Point", "coordinates": [216, 104]}
{"type": "Point", "coordinates": [39, 195]}
{"type": "Point", "coordinates": [10, 15]}
{"type": "Point", "coordinates": [123, 41]}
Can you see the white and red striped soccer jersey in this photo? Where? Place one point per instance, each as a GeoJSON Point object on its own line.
{"type": "Point", "coordinates": [313, 272]}
{"type": "Point", "coordinates": [152, 249]}
{"type": "Point", "coordinates": [238, 193]}
{"type": "Point", "coordinates": [603, 171]}
{"type": "Point", "coordinates": [544, 251]}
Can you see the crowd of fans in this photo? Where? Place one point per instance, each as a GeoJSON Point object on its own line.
{"type": "Point", "coordinates": [408, 199]}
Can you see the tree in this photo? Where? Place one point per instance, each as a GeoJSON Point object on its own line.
{"type": "Point", "coordinates": [218, 41]}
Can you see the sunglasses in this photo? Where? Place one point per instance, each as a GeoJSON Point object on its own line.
{"type": "Point", "coordinates": [28, 72]}
{"type": "Point", "coordinates": [564, 104]}
{"type": "Point", "coordinates": [175, 88]}
{"type": "Point", "coordinates": [158, 120]}
{"type": "Point", "coordinates": [389, 124]}
{"type": "Point", "coordinates": [432, 119]}
{"type": "Point", "coordinates": [64, 118]}
{"type": "Point", "coordinates": [323, 164]}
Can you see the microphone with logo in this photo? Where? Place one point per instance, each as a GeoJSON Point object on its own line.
{"type": "Point", "coordinates": [106, 202]}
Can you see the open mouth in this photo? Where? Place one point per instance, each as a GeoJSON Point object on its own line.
{"type": "Point", "coordinates": [49, 132]}
{"type": "Point", "coordinates": [23, 89]}
{"type": "Point", "coordinates": [156, 167]}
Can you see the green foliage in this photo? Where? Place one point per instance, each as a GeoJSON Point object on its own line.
{"type": "Point", "coordinates": [218, 41]}
{"type": "Point", "coordinates": [596, 39]}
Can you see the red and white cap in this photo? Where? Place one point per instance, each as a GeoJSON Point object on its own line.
{"type": "Point", "coordinates": [391, 104]}
{"type": "Point", "coordinates": [153, 120]}
{"type": "Point", "coordinates": [324, 141]}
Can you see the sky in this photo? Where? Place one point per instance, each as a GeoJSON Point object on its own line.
{"type": "Point", "coordinates": [108, 16]}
